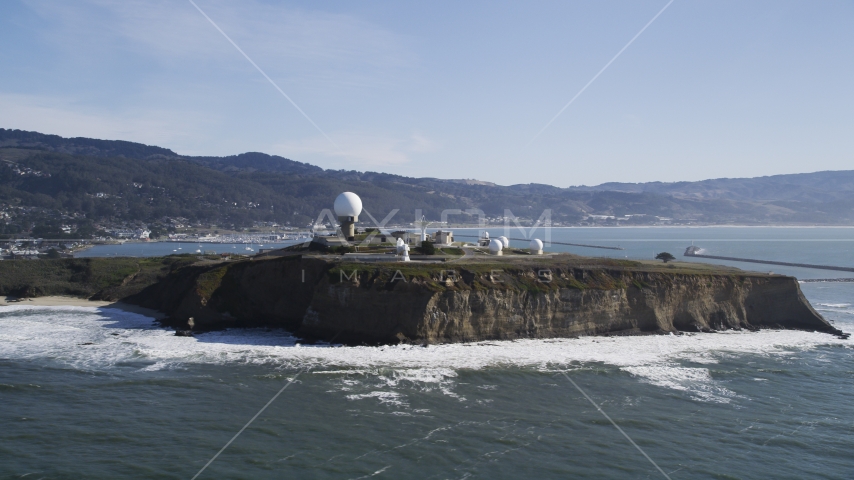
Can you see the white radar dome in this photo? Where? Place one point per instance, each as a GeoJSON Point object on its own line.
{"type": "Point", "coordinates": [505, 241]}
{"type": "Point", "coordinates": [536, 245]}
{"type": "Point", "coordinates": [348, 204]}
{"type": "Point", "coordinates": [495, 246]}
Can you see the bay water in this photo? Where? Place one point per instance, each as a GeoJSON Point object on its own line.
{"type": "Point", "coordinates": [105, 393]}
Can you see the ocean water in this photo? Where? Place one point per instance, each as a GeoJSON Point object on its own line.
{"type": "Point", "coordinates": [103, 393]}
{"type": "Point", "coordinates": [154, 249]}
{"type": "Point", "coordinates": [811, 245]}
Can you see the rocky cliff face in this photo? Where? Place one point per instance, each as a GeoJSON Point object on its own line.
{"type": "Point", "coordinates": [434, 304]}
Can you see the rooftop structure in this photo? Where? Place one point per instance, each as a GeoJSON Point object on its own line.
{"type": "Point", "coordinates": [444, 237]}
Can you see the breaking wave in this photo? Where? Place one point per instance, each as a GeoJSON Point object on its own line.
{"type": "Point", "coordinates": [99, 339]}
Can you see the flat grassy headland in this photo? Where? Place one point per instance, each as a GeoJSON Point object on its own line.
{"type": "Point", "coordinates": [115, 278]}
{"type": "Point", "coordinates": [92, 278]}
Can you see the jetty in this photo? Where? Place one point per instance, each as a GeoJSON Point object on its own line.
{"type": "Point", "coordinates": [692, 252]}
{"type": "Point", "coordinates": [826, 280]}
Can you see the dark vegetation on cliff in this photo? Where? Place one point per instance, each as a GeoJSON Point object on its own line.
{"type": "Point", "coordinates": [93, 278]}
{"type": "Point", "coordinates": [100, 180]}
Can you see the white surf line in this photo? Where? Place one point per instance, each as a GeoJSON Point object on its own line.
{"type": "Point", "coordinates": [615, 424]}
{"type": "Point", "coordinates": [262, 73]}
{"type": "Point", "coordinates": [600, 71]}
{"type": "Point", "coordinates": [248, 423]}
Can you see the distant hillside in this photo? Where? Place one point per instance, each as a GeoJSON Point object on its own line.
{"type": "Point", "coordinates": [251, 161]}
{"type": "Point", "coordinates": [81, 146]}
{"type": "Point", "coordinates": [47, 181]}
{"type": "Point", "coordinates": [817, 187]}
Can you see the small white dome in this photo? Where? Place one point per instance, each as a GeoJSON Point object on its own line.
{"type": "Point", "coordinates": [505, 241]}
{"type": "Point", "coordinates": [348, 204]}
{"type": "Point", "coordinates": [536, 245]}
{"type": "Point", "coordinates": [495, 245]}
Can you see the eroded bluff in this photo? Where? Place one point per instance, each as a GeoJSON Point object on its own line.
{"type": "Point", "coordinates": [389, 303]}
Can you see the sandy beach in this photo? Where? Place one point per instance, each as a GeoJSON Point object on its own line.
{"type": "Point", "coordinates": [63, 301]}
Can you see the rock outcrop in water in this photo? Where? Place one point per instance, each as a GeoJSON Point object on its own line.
{"type": "Point", "coordinates": [564, 296]}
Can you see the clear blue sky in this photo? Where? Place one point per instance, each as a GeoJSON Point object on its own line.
{"type": "Point", "coordinates": [448, 89]}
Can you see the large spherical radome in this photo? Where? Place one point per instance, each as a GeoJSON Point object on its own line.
{"type": "Point", "coordinates": [536, 244]}
{"type": "Point", "coordinates": [348, 204]}
{"type": "Point", "coordinates": [495, 245]}
{"type": "Point", "coordinates": [505, 241]}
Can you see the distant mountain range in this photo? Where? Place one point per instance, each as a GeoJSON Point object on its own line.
{"type": "Point", "coordinates": [48, 179]}
{"type": "Point", "coordinates": [818, 187]}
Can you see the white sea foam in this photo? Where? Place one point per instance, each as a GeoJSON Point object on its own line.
{"type": "Point", "coordinates": [834, 305]}
{"type": "Point", "coordinates": [98, 339]}
{"type": "Point", "coordinates": [391, 398]}
{"type": "Point", "coordinates": [697, 382]}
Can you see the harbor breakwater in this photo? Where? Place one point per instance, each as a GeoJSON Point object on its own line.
{"type": "Point", "coordinates": [692, 252]}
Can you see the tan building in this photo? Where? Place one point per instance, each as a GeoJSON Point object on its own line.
{"type": "Point", "coordinates": [444, 238]}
